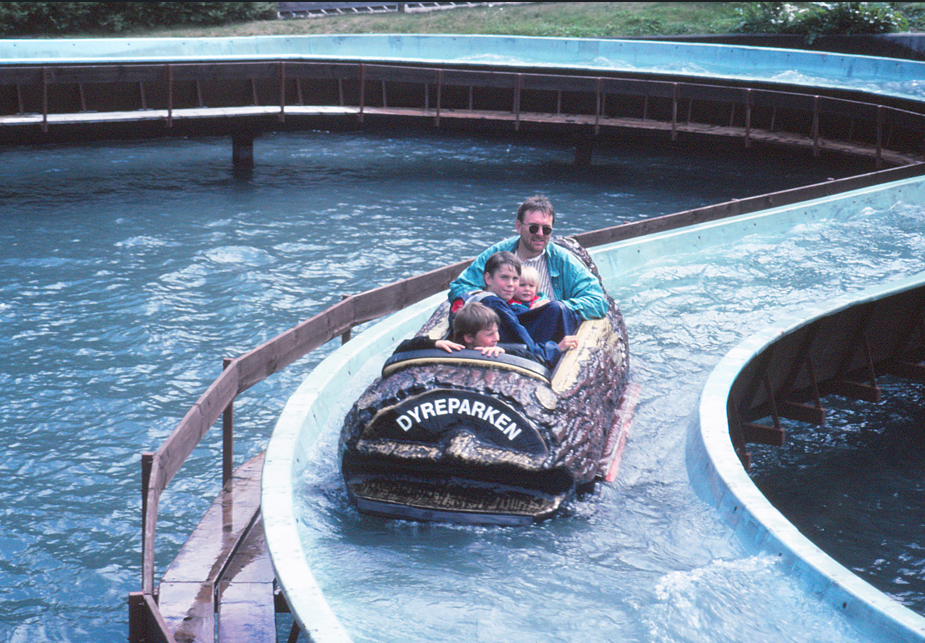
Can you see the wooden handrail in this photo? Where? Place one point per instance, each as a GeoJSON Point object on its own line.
{"type": "Point", "coordinates": [253, 367]}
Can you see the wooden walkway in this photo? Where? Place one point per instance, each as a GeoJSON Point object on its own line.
{"type": "Point", "coordinates": [817, 144]}
{"type": "Point", "coordinates": [222, 581]}
{"type": "Point", "coordinates": [46, 103]}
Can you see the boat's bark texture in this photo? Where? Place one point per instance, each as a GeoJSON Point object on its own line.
{"type": "Point", "coordinates": [573, 412]}
{"type": "Point", "coordinates": [506, 386]}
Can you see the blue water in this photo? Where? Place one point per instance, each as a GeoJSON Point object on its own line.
{"type": "Point", "coordinates": [129, 270]}
{"type": "Point", "coordinates": [646, 560]}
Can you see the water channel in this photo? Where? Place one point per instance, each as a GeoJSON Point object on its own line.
{"type": "Point", "coordinates": [130, 269]}
{"type": "Point", "coordinates": [643, 561]}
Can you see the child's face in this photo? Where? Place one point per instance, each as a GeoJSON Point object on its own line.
{"type": "Point", "coordinates": [503, 283]}
{"type": "Point", "coordinates": [526, 290]}
{"type": "Point", "coordinates": [484, 338]}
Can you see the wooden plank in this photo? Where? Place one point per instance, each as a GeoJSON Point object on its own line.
{"type": "Point", "coordinates": [802, 412]}
{"type": "Point", "coordinates": [752, 204]}
{"type": "Point", "coordinates": [715, 93]}
{"type": "Point", "coordinates": [103, 74]}
{"type": "Point", "coordinates": [251, 561]}
{"type": "Point", "coordinates": [783, 100]}
{"type": "Point", "coordinates": [187, 589]}
{"type": "Point", "coordinates": [188, 610]}
{"type": "Point", "coordinates": [763, 434]}
{"type": "Point", "coordinates": [854, 390]}
{"type": "Point", "coordinates": [907, 120]}
{"type": "Point", "coordinates": [247, 614]}
{"type": "Point", "coordinates": [247, 602]}
{"type": "Point", "coordinates": [146, 624]}
{"type": "Point", "coordinates": [212, 544]}
{"type": "Point", "coordinates": [849, 108]}
{"type": "Point", "coordinates": [224, 71]}
{"type": "Point", "coordinates": [322, 71]}
{"type": "Point", "coordinates": [20, 75]}
{"type": "Point", "coordinates": [197, 421]}
{"type": "Point", "coordinates": [538, 82]}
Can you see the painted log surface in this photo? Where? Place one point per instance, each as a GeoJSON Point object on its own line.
{"type": "Point", "coordinates": [573, 412]}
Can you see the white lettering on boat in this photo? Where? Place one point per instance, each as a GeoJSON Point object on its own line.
{"type": "Point", "coordinates": [489, 414]}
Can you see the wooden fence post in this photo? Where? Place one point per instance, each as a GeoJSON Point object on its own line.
{"type": "Point", "coordinates": [227, 436]}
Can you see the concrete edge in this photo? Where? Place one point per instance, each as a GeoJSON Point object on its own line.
{"type": "Point", "coordinates": [303, 418]}
{"type": "Point", "coordinates": [720, 480]}
{"type": "Point", "coordinates": [654, 57]}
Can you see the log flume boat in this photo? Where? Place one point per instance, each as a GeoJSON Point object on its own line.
{"type": "Point", "coordinates": [460, 437]}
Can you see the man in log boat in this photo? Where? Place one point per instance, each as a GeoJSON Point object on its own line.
{"type": "Point", "coordinates": [568, 283]}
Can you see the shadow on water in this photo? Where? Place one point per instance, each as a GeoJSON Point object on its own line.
{"type": "Point", "coordinates": [855, 487]}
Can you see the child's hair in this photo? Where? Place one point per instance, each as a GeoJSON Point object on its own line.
{"type": "Point", "coordinates": [529, 274]}
{"type": "Point", "coordinates": [503, 258]}
{"type": "Point", "coordinates": [472, 318]}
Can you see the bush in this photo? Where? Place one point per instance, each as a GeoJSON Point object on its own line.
{"type": "Point", "coordinates": [816, 19]}
{"type": "Point", "coordinates": [59, 18]}
{"type": "Point", "coordinates": [915, 14]}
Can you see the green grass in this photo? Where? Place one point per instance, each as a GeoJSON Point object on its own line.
{"type": "Point", "coordinates": [553, 19]}
{"type": "Point", "coordinates": [556, 19]}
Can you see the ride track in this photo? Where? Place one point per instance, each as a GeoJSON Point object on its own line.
{"type": "Point", "coordinates": [591, 90]}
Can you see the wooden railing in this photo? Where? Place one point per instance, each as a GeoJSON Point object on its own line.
{"type": "Point", "coordinates": [234, 92]}
{"type": "Point", "coordinates": [842, 354]}
{"type": "Point", "coordinates": [253, 367]}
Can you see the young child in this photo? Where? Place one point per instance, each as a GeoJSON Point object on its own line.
{"type": "Point", "coordinates": [475, 327]}
{"type": "Point", "coordinates": [502, 276]}
{"type": "Point", "coordinates": [526, 295]}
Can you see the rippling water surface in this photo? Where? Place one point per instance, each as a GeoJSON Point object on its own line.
{"type": "Point", "coordinates": [130, 270]}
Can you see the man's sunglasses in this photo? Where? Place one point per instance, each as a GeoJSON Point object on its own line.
{"type": "Point", "coordinates": [534, 228]}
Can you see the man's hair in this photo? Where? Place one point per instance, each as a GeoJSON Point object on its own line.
{"type": "Point", "coordinates": [472, 318]}
{"type": "Point", "coordinates": [502, 258]}
{"type": "Point", "coordinates": [538, 203]}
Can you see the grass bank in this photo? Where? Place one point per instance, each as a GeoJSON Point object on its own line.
{"type": "Point", "coordinates": [553, 19]}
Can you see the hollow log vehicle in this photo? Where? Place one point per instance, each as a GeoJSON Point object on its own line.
{"type": "Point", "coordinates": [460, 437]}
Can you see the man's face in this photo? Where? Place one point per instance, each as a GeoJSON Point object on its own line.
{"type": "Point", "coordinates": [534, 243]}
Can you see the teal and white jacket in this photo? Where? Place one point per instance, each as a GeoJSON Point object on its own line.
{"type": "Point", "coordinates": [572, 283]}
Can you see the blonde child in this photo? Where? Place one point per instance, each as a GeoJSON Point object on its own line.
{"type": "Point", "coordinates": [527, 296]}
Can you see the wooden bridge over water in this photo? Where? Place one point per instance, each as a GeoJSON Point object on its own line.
{"type": "Point", "coordinates": [51, 103]}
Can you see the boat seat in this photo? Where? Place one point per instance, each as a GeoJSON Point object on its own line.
{"type": "Point", "coordinates": [468, 357]}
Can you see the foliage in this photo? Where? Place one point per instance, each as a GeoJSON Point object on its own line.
{"type": "Point", "coordinates": [814, 19]}
{"type": "Point", "coordinates": [105, 18]}
{"type": "Point", "coordinates": [915, 14]}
